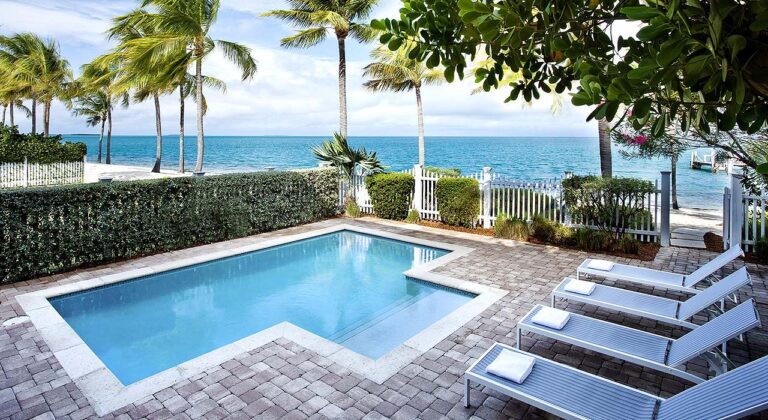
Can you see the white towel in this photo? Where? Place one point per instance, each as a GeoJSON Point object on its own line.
{"type": "Point", "coordinates": [601, 265]}
{"type": "Point", "coordinates": [580, 286]}
{"type": "Point", "coordinates": [511, 365]}
{"type": "Point", "coordinates": [551, 317]}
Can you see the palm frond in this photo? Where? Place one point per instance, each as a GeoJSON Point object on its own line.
{"type": "Point", "coordinates": [306, 38]}
{"type": "Point", "coordinates": [240, 55]}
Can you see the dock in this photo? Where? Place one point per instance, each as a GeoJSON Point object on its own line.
{"type": "Point", "coordinates": [708, 161]}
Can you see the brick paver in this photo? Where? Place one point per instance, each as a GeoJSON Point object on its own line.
{"type": "Point", "coordinates": [285, 380]}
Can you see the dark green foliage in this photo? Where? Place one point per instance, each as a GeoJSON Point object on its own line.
{"type": "Point", "coordinates": [594, 240]}
{"type": "Point", "coordinates": [543, 229]}
{"type": "Point", "coordinates": [391, 194]}
{"type": "Point", "coordinates": [50, 230]}
{"type": "Point", "coordinates": [564, 235]}
{"type": "Point", "coordinates": [610, 204]}
{"type": "Point", "coordinates": [628, 245]}
{"type": "Point", "coordinates": [761, 250]}
{"type": "Point", "coordinates": [458, 200]}
{"type": "Point", "coordinates": [14, 147]}
{"type": "Point", "coordinates": [451, 172]}
{"type": "Point", "coordinates": [511, 228]}
{"type": "Point", "coordinates": [413, 216]}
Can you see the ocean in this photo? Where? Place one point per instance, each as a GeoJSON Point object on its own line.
{"type": "Point", "coordinates": [524, 158]}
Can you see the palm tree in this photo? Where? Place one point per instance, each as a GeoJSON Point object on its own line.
{"type": "Point", "coordinates": [315, 19]}
{"type": "Point", "coordinates": [187, 87]}
{"type": "Point", "coordinates": [394, 71]}
{"type": "Point", "coordinates": [338, 154]}
{"type": "Point", "coordinates": [100, 76]}
{"type": "Point", "coordinates": [604, 138]}
{"type": "Point", "coordinates": [14, 49]}
{"type": "Point", "coordinates": [182, 39]}
{"type": "Point", "coordinates": [95, 107]}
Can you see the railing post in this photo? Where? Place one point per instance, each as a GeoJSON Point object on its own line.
{"type": "Point", "coordinates": [418, 188]}
{"type": "Point", "coordinates": [737, 211]}
{"type": "Point", "coordinates": [665, 207]}
{"type": "Point", "coordinates": [486, 190]}
{"type": "Point", "coordinates": [726, 217]}
{"type": "Point", "coordinates": [26, 172]}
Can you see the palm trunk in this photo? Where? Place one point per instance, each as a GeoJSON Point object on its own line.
{"type": "Point", "coordinates": [604, 136]}
{"type": "Point", "coordinates": [199, 96]}
{"type": "Point", "coordinates": [159, 128]}
{"type": "Point", "coordinates": [46, 118]}
{"type": "Point", "coordinates": [101, 138]}
{"type": "Point", "coordinates": [5, 108]}
{"type": "Point", "coordinates": [421, 125]}
{"type": "Point", "coordinates": [10, 114]}
{"type": "Point", "coordinates": [342, 88]}
{"type": "Point", "coordinates": [674, 181]}
{"type": "Point", "coordinates": [109, 131]}
{"type": "Point", "coordinates": [34, 114]}
{"type": "Point", "coordinates": [181, 129]}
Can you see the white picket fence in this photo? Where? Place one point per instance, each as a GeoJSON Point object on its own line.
{"type": "Point", "coordinates": [515, 198]}
{"type": "Point", "coordinates": [25, 174]}
{"type": "Point", "coordinates": [743, 216]}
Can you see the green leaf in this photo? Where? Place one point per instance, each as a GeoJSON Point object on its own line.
{"type": "Point", "coordinates": [394, 44]}
{"type": "Point", "coordinates": [640, 12]}
{"type": "Point", "coordinates": [433, 60]}
{"type": "Point", "coordinates": [762, 168]}
{"type": "Point", "coordinates": [652, 32]}
{"type": "Point", "coordinates": [448, 73]}
{"type": "Point", "coordinates": [642, 107]}
{"type": "Point", "coordinates": [378, 25]}
{"type": "Point", "coordinates": [669, 53]}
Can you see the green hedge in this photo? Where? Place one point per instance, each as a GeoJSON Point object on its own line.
{"type": "Point", "coordinates": [390, 194]}
{"type": "Point", "coordinates": [14, 147]}
{"type": "Point", "coordinates": [49, 230]}
{"type": "Point", "coordinates": [458, 200]}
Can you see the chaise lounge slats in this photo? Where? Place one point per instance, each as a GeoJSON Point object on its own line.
{"type": "Point", "coordinates": [657, 308]}
{"type": "Point", "coordinates": [571, 393]}
{"type": "Point", "coordinates": [566, 391]}
{"type": "Point", "coordinates": [662, 279]}
{"type": "Point", "coordinates": [735, 394]}
{"type": "Point", "coordinates": [594, 333]}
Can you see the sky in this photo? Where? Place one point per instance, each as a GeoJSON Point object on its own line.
{"type": "Point", "coordinates": [294, 92]}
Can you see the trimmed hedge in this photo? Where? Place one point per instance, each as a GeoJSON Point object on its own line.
{"type": "Point", "coordinates": [458, 200]}
{"type": "Point", "coordinates": [391, 194]}
{"type": "Point", "coordinates": [50, 230]}
{"type": "Point", "coordinates": [14, 147]}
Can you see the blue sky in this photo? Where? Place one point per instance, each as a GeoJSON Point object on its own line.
{"type": "Point", "coordinates": [294, 91]}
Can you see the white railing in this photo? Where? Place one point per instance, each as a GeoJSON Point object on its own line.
{"type": "Point", "coordinates": [25, 174]}
{"type": "Point", "coordinates": [519, 199]}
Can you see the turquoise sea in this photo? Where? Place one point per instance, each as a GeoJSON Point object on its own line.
{"type": "Point", "coordinates": [524, 158]}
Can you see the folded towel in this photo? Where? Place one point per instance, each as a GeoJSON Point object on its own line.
{"type": "Point", "coordinates": [551, 317]}
{"type": "Point", "coordinates": [580, 286]}
{"type": "Point", "coordinates": [511, 365]}
{"type": "Point", "coordinates": [601, 265]}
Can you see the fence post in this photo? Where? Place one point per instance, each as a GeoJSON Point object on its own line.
{"type": "Point", "coordinates": [737, 211]}
{"type": "Point", "coordinates": [726, 218]}
{"type": "Point", "coordinates": [486, 186]}
{"type": "Point", "coordinates": [26, 172]}
{"type": "Point", "coordinates": [418, 189]}
{"type": "Point", "coordinates": [665, 207]}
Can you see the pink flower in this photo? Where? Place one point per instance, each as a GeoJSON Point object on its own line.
{"type": "Point", "coordinates": [641, 139]}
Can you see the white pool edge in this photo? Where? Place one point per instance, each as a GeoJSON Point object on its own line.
{"type": "Point", "coordinates": [106, 394]}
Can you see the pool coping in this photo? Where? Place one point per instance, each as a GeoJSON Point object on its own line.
{"type": "Point", "coordinates": [106, 393]}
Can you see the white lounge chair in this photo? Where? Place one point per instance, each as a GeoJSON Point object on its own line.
{"type": "Point", "coordinates": [643, 348]}
{"type": "Point", "coordinates": [658, 308]}
{"type": "Point", "coordinates": [574, 394]}
{"type": "Point", "coordinates": [661, 279]}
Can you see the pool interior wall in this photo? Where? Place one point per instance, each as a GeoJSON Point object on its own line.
{"type": "Point", "coordinates": [345, 286]}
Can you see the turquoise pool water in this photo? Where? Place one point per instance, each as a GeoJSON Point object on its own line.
{"type": "Point", "coordinates": [347, 287]}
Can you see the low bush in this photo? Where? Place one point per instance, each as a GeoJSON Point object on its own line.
{"type": "Point", "coordinates": [391, 194]}
{"type": "Point", "coordinates": [413, 216]}
{"type": "Point", "coordinates": [511, 228]}
{"type": "Point", "coordinates": [458, 200]}
{"type": "Point", "coordinates": [628, 245]}
{"type": "Point", "coordinates": [543, 229]}
{"type": "Point", "coordinates": [351, 208]}
{"type": "Point", "coordinates": [451, 172]}
{"type": "Point", "coordinates": [14, 147]}
{"type": "Point", "coordinates": [564, 235]}
{"type": "Point", "coordinates": [50, 230]}
{"type": "Point", "coordinates": [761, 250]}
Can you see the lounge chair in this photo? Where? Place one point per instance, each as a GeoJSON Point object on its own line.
{"type": "Point", "coordinates": [658, 308]}
{"type": "Point", "coordinates": [574, 394]}
{"type": "Point", "coordinates": [647, 349]}
{"type": "Point", "coordinates": [661, 279]}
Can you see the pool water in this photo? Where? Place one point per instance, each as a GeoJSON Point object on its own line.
{"type": "Point", "coordinates": [346, 286]}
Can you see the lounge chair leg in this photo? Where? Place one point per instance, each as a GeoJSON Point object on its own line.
{"type": "Point", "coordinates": [519, 337]}
{"type": "Point", "coordinates": [466, 392]}
{"type": "Point", "coordinates": [552, 301]}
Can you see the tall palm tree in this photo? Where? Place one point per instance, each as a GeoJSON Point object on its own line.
{"type": "Point", "coordinates": [187, 87]}
{"type": "Point", "coordinates": [394, 71]}
{"type": "Point", "coordinates": [17, 85]}
{"type": "Point", "coordinates": [316, 19]}
{"type": "Point", "coordinates": [182, 38]}
{"type": "Point", "coordinates": [604, 138]}
{"type": "Point", "coordinates": [99, 75]}
{"type": "Point", "coordinates": [95, 107]}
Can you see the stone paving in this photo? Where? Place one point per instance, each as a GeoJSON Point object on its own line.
{"type": "Point", "coordinates": [284, 380]}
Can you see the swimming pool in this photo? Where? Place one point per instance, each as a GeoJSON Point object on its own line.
{"type": "Point", "coordinates": [347, 287]}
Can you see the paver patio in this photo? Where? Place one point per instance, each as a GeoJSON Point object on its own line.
{"type": "Point", "coordinates": [282, 379]}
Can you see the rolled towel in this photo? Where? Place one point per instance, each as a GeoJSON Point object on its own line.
{"type": "Point", "coordinates": [511, 365]}
{"type": "Point", "coordinates": [601, 265]}
{"type": "Point", "coordinates": [580, 286]}
{"type": "Point", "coordinates": [551, 317]}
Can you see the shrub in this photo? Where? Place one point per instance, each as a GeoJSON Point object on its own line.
{"type": "Point", "coordinates": [450, 172]}
{"type": "Point", "coordinates": [391, 194]}
{"type": "Point", "coordinates": [413, 216]}
{"type": "Point", "coordinates": [14, 147]}
{"type": "Point", "coordinates": [50, 230]}
{"type": "Point", "coordinates": [351, 208]}
{"type": "Point", "coordinates": [628, 245]}
{"type": "Point", "coordinates": [458, 200]}
{"type": "Point", "coordinates": [511, 228]}
{"type": "Point", "coordinates": [761, 250]}
{"type": "Point", "coordinates": [543, 229]}
{"type": "Point", "coordinates": [564, 235]}
{"type": "Point", "coordinates": [611, 204]}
